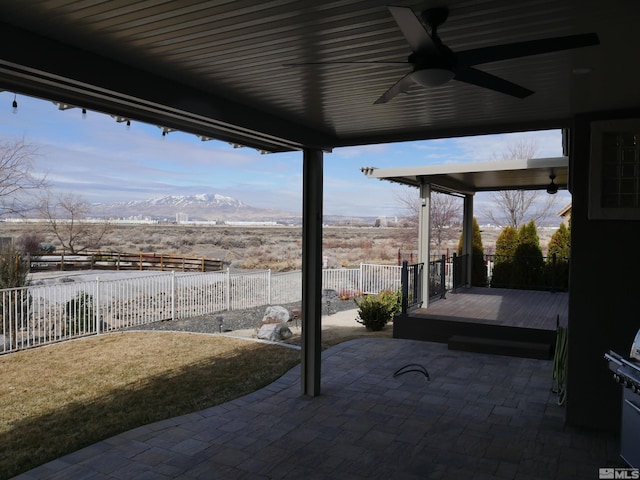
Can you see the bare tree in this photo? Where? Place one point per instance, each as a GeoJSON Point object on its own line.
{"type": "Point", "coordinates": [17, 180]}
{"type": "Point", "coordinates": [445, 214]}
{"type": "Point", "coordinates": [66, 216]}
{"type": "Point", "coordinates": [517, 207]}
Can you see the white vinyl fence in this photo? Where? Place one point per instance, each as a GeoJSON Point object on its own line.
{"type": "Point", "coordinates": [42, 314]}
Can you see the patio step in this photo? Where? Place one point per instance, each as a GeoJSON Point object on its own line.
{"type": "Point", "coordinates": [494, 346]}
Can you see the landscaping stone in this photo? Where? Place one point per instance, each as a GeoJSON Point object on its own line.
{"type": "Point", "coordinates": [275, 332]}
{"type": "Point", "coordinates": [275, 314]}
{"type": "Point", "coordinates": [330, 301]}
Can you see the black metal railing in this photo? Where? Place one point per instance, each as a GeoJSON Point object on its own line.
{"type": "Point", "coordinates": [411, 281]}
{"type": "Point", "coordinates": [460, 271]}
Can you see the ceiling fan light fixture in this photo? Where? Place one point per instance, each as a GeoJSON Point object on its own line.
{"type": "Point", "coordinates": [432, 77]}
{"type": "Point", "coordinates": [552, 188]}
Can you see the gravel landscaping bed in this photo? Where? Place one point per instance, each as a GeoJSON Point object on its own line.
{"type": "Point", "coordinates": [232, 320]}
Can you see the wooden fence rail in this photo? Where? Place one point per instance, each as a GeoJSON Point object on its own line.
{"type": "Point", "coordinates": [125, 261]}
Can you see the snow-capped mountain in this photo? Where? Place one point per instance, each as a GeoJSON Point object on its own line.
{"type": "Point", "coordinates": [203, 206]}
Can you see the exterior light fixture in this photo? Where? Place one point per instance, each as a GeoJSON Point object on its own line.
{"type": "Point", "coordinates": [552, 188]}
{"type": "Point", "coordinates": [84, 113]}
{"type": "Point", "coordinates": [14, 105]}
{"type": "Point", "coordinates": [63, 106]}
{"type": "Point", "coordinates": [128, 124]}
{"type": "Point", "coordinates": [165, 131]}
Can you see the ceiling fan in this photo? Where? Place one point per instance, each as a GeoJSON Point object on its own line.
{"type": "Point", "coordinates": [435, 64]}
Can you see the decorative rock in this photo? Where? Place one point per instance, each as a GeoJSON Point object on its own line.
{"type": "Point", "coordinates": [275, 315]}
{"type": "Point", "coordinates": [329, 301]}
{"type": "Point", "coordinates": [275, 332]}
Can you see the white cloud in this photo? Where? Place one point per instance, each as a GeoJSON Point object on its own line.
{"type": "Point", "coordinates": [101, 160]}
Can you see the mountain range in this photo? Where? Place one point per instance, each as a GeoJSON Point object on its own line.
{"type": "Point", "coordinates": [204, 206]}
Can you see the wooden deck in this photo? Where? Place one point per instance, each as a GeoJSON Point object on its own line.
{"type": "Point", "coordinates": [496, 320]}
{"type": "Point", "coordinates": [501, 306]}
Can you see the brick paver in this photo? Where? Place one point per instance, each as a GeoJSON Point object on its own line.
{"type": "Point", "coordinates": [479, 416]}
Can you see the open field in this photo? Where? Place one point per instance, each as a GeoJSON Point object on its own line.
{"type": "Point", "coordinates": [277, 248]}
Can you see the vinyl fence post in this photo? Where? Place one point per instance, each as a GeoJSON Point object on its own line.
{"type": "Point", "coordinates": [96, 306]}
{"type": "Point", "coordinates": [173, 295]}
{"type": "Point", "coordinates": [228, 289]}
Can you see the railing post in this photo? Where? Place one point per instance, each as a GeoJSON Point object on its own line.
{"type": "Point", "coordinates": [96, 306]}
{"type": "Point", "coordinates": [360, 281]}
{"type": "Point", "coordinates": [269, 287]}
{"type": "Point", "coordinates": [404, 283]}
{"type": "Point", "coordinates": [443, 277]}
{"type": "Point", "coordinates": [553, 273]}
{"type": "Point", "coordinates": [454, 276]}
{"type": "Point", "coordinates": [173, 295]}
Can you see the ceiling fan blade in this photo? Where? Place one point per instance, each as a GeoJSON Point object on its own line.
{"type": "Point", "coordinates": [301, 64]}
{"type": "Point", "coordinates": [412, 29]}
{"type": "Point", "coordinates": [486, 80]}
{"type": "Point", "coordinates": [478, 56]}
{"type": "Point", "coordinates": [401, 86]}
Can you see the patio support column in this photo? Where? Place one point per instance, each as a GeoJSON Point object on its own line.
{"type": "Point", "coordinates": [424, 238]}
{"type": "Point", "coordinates": [312, 183]}
{"type": "Point", "coordinates": [468, 234]}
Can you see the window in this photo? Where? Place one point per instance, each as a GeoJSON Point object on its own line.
{"type": "Point", "coordinates": [615, 170]}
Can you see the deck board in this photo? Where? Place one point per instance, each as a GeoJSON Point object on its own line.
{"type": "Point", "coordinates": [498, 306]}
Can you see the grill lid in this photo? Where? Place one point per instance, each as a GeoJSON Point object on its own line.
{"type": "Point", "coordinates": [635, 347]}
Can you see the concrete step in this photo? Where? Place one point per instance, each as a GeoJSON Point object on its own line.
{"type": "Point", "coordinates": [512, 348]}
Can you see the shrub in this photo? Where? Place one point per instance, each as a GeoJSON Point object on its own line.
{"type": "Point", "coordinates": [31, 243]}
{"type": "Point", "coordinates": [14, 268]}
{"type": "Point", "coordinates": [80, 313]}
{"type": "Point", "coordinates": [376, 310]}
{"type": "Point", "coordinates": [348, 293]}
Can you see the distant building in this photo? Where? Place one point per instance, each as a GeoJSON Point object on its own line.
{"type": "Point", "coordinates": [565, 214]}
{"type": "Point", "coordinates": [181, 217]}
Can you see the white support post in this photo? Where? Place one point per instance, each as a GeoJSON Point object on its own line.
{"type": "Point", "coordinates": [269, 287]}
{"type": "Point", "coordinates": [424, 238]}
{"type": "Point", "coordinates": [468, 235]}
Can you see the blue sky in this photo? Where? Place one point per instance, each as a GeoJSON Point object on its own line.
{"type": "Point", "coordinates": [103, 161]}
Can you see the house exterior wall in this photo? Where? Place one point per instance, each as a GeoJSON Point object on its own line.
{"type": "Point", "coordinates": [604, 294]}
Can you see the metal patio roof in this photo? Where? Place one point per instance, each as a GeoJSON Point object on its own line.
{"type": "Point", "coordinates": [469, 178]}
{"type": "Point", "coordinates": [218, 68]}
